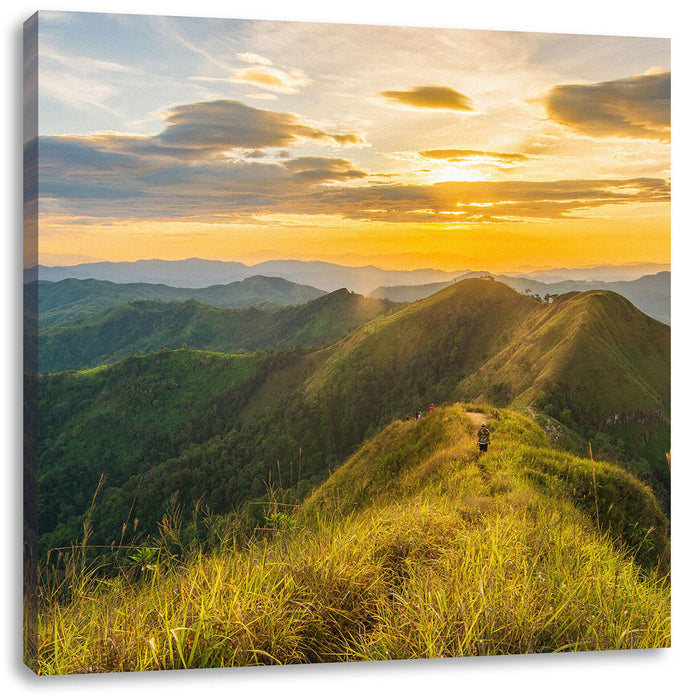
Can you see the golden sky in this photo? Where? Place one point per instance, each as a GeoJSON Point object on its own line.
{"type": "Point", "coordinates": [396, 146]}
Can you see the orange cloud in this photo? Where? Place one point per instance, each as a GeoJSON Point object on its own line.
{"type": "Point", "coordinates": [272, 79]}
{"type": "Point", "coordinates": [455, 155]}
{"type": "Point", "coordinates": [430, 97]}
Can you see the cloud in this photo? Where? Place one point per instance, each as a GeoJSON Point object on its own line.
{"type": "Point", "coordinates": [83, 178]}
{"type": "Point", "coordinates": [429, 97]}
{"type": "Point", "coordinates": [455, 155]}
{"type": "Point", "coordinates": [89, 180]}
{"type": "Point", "coordinates": [202, 129]}
{"type": "Point", "coordinates": [248, 57]}
{"type": "Point", "coordinates": [636, 107]}
{"type": "Point", "coordinates": [314, 169]}
{"type": "Point", "coordinates": [484, 202]}
{"type": "Point", "coordinates": [269, 78]}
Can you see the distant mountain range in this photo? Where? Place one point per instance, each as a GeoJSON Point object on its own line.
{"type": "Point", "coordinates": [204, 273]}
{"type": "Point", "coordinates": [608, 273]}
{"type": "Point", "coordinates": [197, 273]}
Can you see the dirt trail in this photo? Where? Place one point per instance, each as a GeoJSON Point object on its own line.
{"type": "Point", "coordinates": [478, 418]}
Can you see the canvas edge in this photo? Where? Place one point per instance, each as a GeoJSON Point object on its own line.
{"type": "Point", "coordinates": [30, 355]}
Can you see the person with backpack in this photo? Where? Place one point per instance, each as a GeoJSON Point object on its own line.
{"type": "Point", "coordinates": [483, 438]}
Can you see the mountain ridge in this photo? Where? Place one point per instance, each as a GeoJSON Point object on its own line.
{"type": "Point", "coordinates": [650, 293]}
{"type": "Point", "coordinates": [72, 299]}
{"type": "Point", "coordinates": [197, 272]}
{"type": "Point", "coordinates": [302, 413]}
{"type": "Point", "coordinates": [141, 326]}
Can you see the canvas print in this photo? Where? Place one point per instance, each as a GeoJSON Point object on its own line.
{"type": "Point", "coordinates": [342, 343]}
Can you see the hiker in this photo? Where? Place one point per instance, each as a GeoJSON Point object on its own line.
{"type": "Point", "coordinates": [418, 414]}
{"type": "Point", "coordinates": [483, 438]}
{"type": "Point", "coordinates": [431, 408]}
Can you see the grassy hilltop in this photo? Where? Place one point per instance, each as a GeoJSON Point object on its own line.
{"type": "Point", "coordinates": [415, 547]}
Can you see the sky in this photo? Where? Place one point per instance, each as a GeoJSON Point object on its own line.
{"type": "Point", "coordinates": [404, 147]}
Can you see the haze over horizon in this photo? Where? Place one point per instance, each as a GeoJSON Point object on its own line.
{"type": "Point", "coordinates": [66, 260]}
{"type": "Point", "coordinates": [399, 147]}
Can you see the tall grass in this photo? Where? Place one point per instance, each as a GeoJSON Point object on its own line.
{"type": "Point", "coordinates": [426, 582]}
{"type": "Point", "coordinates": [459, 556]}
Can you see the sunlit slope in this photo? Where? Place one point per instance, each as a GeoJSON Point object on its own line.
{"type": "Point", "coordinates": [611, 361]}
{"type": "Point", "coordinates": [433, 465]}
{"type": "Point", "coordinates": [414, 548]}
{"type": "Point", "coordinates": [418, 355]}
{"type": "Point", "coordinates": [144, 326]}
{"type": "Point", "coordinates": [592, 353]}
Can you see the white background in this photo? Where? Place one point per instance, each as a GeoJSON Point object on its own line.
{"type": "Point", "coordinates": [632, 674]}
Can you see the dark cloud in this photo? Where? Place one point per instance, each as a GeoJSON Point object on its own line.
{"type": "Point", "coordinates": [92, 180]}
{"type": "Point", "coordinates": [222, 125]}
{"type": "Point", "coordinates": [454, 202]}
{"type": "Point", "coordinates": [637, 107]}
{"type": "Point", "coordinates": [430, 97]}
{"type": "Point", "coordinates": [314, 169]}
{"type": "Point", "coordinates": [455, 155]}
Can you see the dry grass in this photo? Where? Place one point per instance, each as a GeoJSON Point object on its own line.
{"type": "Point", "coordinates": [463, 556]}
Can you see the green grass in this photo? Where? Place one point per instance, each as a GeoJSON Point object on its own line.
{"type": "Point", "coordinates": [414, 548]}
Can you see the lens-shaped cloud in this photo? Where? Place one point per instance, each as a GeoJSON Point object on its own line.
{"type": "Point", "coordinates": [636, 107]}
{"type": "Point", "coordinates": [429, 97]}
{"type": "Point", "coordinates": [269, 78]}
{"type": "Point", "coordinates": [456, 155]}
{"type": "Point", "coordinates": [224, 125]}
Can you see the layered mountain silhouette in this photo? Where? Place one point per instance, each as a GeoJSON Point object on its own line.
{"type": "Point", "coordinates": [196, 272]}
{"type": "Point", "coordinates": [199, 273]}
{"type": "Point", "coordinates": [223, 427]}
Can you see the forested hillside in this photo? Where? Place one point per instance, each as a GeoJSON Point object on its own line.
{"type": "Point", "coordinates": [139, 327]}
{"type": "Point", "coordinates": [75, 299]}
{"type": "Point", "coordinates": [224, 428]}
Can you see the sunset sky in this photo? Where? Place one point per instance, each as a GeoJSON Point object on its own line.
{"type": "Point", "coordinates": [402, 147]}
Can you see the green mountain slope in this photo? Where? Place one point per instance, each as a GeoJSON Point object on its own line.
{"type": "Point", "coordinates": [609, 360]}
{"type": "Point", "coordinates": [147, 326]}
{"type": "Point", "coordinates": [650, 293]}
{"type": "Point", "coordinates": [75, 299]}
{"type": "Point", "coordinates": [591, 353]}
{"type": "Point", "coordinates": [297, 415]}
{"type": "Point", "coordinates": [479, 339]}
{"type": "Point", "coordinates": [435, 460]}
{"type": "Point", "coordinates": [122, 420]}
{"type": "Point", "coordinates": [414, 548]}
